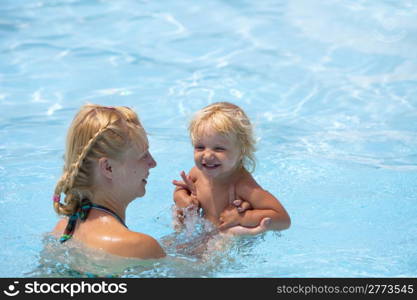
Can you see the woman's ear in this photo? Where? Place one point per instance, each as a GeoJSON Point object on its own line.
{"type": "Point", "coordinates": [105, 167]}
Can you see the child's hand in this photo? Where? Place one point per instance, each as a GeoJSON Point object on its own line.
{"type": "Point", "coordinates": [193, 202]}
{"type": "Point", "coordinates": [187, 184]}
{"type": "Point", "coordinates": [189, 207]}
{"type": "Point", "coordinates": [241, 230]}
{"type": "Point", "coordinates": [190, 203]}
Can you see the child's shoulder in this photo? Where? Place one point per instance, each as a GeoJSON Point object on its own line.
{"type": "Point", "coordinates": [246, 183]}
{"type": "Point", "coordinates": [246, 178]}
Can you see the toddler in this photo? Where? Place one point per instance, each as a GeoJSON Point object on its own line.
{"type": "Point", "coordinates": [220, 184]}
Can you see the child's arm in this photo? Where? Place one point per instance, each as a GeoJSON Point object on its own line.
{"type": "Point", "coordinates": [185, 195]}
{"type": "Point", "coordinates": [183, 198]}
{"type": "Point", "coordinates": [264, 205]}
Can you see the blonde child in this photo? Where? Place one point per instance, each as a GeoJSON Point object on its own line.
{"type": "Point", "coordinates": [220, 183]}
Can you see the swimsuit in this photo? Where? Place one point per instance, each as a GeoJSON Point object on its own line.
{"type": "Point", "coordinates": [82, 214]}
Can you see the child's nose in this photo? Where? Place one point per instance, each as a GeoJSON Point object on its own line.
{"type": "Point", "coordinates": [208, 154]}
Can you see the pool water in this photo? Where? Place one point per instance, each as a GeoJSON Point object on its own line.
{"type": "Point", "coordinates": [330, 86]}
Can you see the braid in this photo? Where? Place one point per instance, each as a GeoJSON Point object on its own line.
{"type": "Point", "coordinates": [75, 167]}
{"type": "Point", "coordinates": [66, 182]}
{"type": "Point", "coordinates": [61, 187]}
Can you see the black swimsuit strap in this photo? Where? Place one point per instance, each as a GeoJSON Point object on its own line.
{"type": "Point", "coordinates": [82, 214]}
{"type": "Point", "coordinates": [109, 211]}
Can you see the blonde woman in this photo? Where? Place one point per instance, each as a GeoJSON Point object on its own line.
{"type": "Point", "coordinates": [220, 184]}
{"type": "Point", "coordinates": [107, 163]}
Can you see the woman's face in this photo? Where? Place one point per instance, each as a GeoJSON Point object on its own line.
{"type": "Point", "coordinates": [134, 171]}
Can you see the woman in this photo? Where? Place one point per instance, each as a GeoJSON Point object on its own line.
{"type": "Point", "coordinates": [107, 163]}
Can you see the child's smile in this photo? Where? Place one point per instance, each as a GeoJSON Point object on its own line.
{"type": "Point", "coordinates": [210, 166]}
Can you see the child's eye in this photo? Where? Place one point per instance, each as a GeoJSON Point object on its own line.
{"type": "Point", "coordinates": [199, 148]}
{"type": "Point", "coordinates": [219, 149]}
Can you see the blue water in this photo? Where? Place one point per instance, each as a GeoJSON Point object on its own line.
{"type": "Point", "coordinates": [331, 87]}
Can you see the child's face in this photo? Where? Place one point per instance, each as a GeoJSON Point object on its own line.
{"type": "Point", "coordinates": [215, 154]}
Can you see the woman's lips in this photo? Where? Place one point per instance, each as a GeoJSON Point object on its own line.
{"type": "Point", "coordinates": [145, 179]}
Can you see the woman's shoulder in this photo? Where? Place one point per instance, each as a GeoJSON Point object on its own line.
{"type": "Point", "coordinates": [139, 245]}
{"type": "Point", "coordinates": [60, 226]}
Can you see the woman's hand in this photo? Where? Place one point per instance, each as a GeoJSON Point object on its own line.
{"type": "Point", "coordinates": [233, 213]}
{"type": "Point", "coordinates": [229, 217]}
{"type": "Point", "coordinates": [241, 230]}
{"type": "Point", "coordinates": [241, 205]}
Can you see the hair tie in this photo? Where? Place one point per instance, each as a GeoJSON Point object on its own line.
{"type": "Point", "coordinates": [56, 198]}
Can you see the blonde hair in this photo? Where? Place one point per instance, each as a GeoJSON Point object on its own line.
{"type": "Point", "coordinates": [229, 120]}
{"type": "Point", "coordinates": [96, 131]}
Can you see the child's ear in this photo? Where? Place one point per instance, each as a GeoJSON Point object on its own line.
{"type": "Point", "coordinates": [105, 167]}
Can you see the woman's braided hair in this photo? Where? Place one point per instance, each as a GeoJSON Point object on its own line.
{"type": "Point", "coordinates": [96, 131]}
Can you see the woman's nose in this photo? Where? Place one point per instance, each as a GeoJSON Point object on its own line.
{"type": "Point", "coordinates": [151, 162]}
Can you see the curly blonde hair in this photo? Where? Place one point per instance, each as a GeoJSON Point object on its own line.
{"type": "Point", "coordinates": [231, 121]}
{"type": "Point", "coordinates": [96, 131]}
